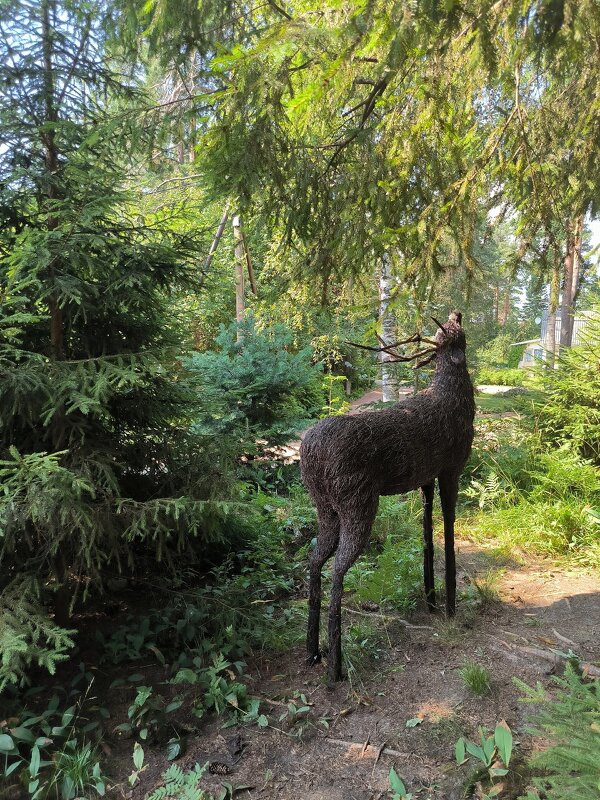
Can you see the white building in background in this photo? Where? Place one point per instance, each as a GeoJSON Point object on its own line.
{"type": "Point", "coordinates": [534, 348]}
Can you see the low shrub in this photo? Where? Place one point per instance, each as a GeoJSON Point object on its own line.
{"type": "Point", "coordinates": [571, 412]}
{"type": "Point", "coordinates": [501, 377]}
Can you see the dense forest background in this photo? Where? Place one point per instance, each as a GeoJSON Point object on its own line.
{"type": "Point", "coordinates": [201, 204]}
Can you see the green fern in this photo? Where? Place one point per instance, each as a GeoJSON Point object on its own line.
{"type": "Point", "coordinates": [179, 785]}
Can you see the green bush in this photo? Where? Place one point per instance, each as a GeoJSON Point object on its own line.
{"type": "Point", "coordinates": [255, 388]}
{"type": "Point", "coordinates": [571, 412]}
{"type": "Point", "coordinates": [497, 352]}
{"type": "Point", "coordinates": [501, 377]}
{"type": "Point", "coordinates": [48, 750]}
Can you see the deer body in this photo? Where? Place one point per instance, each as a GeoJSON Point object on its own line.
{"type": "Point", "coordinates": [347, 463]}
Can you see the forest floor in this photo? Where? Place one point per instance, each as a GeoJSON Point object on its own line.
{"type": "Point", "coordinates": [536, 611]}
{"type": "Point", "coordinates": [408, 707]}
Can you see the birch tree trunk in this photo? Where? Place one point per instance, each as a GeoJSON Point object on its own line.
{"type": "Point", "coordinates": [388, 330]}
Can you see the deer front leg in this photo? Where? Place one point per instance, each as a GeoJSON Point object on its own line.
{"type": "Point", "coordinates": [448, 495]}
{"type": "Point", "coordinates": [427, 493]}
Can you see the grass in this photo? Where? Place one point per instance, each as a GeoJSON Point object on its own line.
{"type": "Point", "coordinates": [476, 678]}
{"type": "Point", "coordinates": [523, 402]}
{"type": "Point", "coordinates": [495, 403]}
{"type": "Point", "coordinates": [450, 630]}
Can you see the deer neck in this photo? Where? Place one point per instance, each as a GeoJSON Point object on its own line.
{"type": "Point", "coordinates": [451, 380]}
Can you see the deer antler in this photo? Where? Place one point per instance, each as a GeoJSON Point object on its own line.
{"type": "Point", "coordinates": [389, 349]}
{"type": "Point", "coordinates": [425, 361]}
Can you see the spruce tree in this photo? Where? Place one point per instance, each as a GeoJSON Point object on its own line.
{"type": "Point", "coordinates": [97, 465]}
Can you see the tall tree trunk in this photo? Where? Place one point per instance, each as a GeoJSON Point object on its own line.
{"type": "Point", "coordinates": [566, 306]}
{"type": "Point", "coordinates": [577, 274]}
{"type": "Point", "coordinates": [549, 342]}
{"type": "Point", "coordinates": [52, 166]}
{"type": "Point", "coordinates": [496, 303]}
{"type": "Point", "coordinates": [62, 597]}
{"type": "Point", "coordinates": [388, 330]}
{"type": "Point", "coordinates": [505, 307]}
{"type": "Point", "coordinates": [240, 262]}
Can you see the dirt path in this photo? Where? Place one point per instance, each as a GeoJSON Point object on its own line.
{"type": "Point", "coordinates": [538, 608]}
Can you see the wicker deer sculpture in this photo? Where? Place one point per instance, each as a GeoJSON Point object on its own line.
{"type": "Point", "coordinates": [348, 462]}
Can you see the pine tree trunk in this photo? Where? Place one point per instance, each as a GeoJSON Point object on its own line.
{"type": "Point", "coordinates": [240, 261]}
{"type": "Point", "coordinates": [566, 308]}
{"type": "Point", "coordinates": [577, 260]}
{"type": "Point", "coordinates": [388, 329]}
{"type": "Point", "coordinates": [52, 167]}
{"type": "Point", "coordinates": [550, 338]}
{"type": "Point", "coordinates": [505, 306]}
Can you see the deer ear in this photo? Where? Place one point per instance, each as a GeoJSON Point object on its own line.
{"type": "Point", "coordinates": [457, 356]}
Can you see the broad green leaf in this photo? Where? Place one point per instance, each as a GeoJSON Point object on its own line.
{"type": "Point", "coordinates": [138, 756]}
{"type": "Point", "coordinates": [476, 751]}
{"type": "Point", "coordinates": [34, 764]}
{"type": "Point", "coordinates": [489, 748]}
{"type": "Point", "coordinates": [23, 733]}
{"type": "Point", "coordinates": [173, 749]}
{"type": "Point", "coordinates": [9, 770]}
{"type": "Point", "coordinates": [504, 741]}
{"type": "Point", "coordinates": [396, 783]}
{"type": "Point", "coordinates": [6, 743]}
{"type": "Point", "coordinates": [459, 751]}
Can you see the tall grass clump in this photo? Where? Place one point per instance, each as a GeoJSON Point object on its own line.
{"type": "Point", "coordinates": [532, 495]}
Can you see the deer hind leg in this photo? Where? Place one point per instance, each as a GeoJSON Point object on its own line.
{"type": "Point", "coordinates": [327, 540]}
{"type": "Point", "coordinates": [354, 535]}
{"type": "Point", "coordinates": [427, 498]}
{"type": "Point", "coordinates": [448, 494]}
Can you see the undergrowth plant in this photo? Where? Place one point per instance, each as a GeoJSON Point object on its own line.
{"type": "Point", "coordinates": [180, 785]}
{"type": "Point", "coordinates": [532, 496]}
{"type": "Point", "coordinates": [568, 722]}
{"type": "Point", "coordinates": [391, 571]}
{"type": "Point", "coordinates": [492, 752]}
{"type": "Point", "coordinates": [50, 751]}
